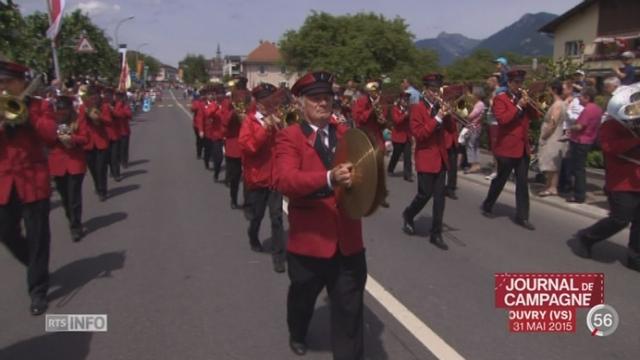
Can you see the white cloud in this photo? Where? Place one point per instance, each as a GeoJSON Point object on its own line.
{"type": "Point", "coordinates": [96, 7]}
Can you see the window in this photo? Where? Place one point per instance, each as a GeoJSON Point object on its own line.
{"type": "Point", "coordinates": [573, 48]}
{"type": "Point", "coordinates": [262, 70]}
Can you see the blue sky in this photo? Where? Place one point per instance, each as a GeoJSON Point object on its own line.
{"type": "Point", "coordinates": [174, 28]}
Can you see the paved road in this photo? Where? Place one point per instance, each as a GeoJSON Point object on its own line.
{"type": "Point", "coordinates": [169, 262]}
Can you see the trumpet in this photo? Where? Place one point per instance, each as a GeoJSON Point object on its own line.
{"type": "Point", "coordinates": [14, 108]}
{"type": "Point", "coordinates": [447, 109]}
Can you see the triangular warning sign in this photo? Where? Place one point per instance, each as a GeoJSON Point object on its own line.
{"type": "Point", "coordinates": [84, 46]}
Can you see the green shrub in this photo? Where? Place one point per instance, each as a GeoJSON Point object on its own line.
{"type": "Point", "coordinates": [595, 159]}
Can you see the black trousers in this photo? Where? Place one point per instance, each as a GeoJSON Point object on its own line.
{"type": "Point", "coordinates": [578, 163]}
{"type": "Point", "coordinates": [97, 164]}
{"type": "Point", "coordinates": [234, 174]}
{"type": "Point", "coordinates": [124, 151]}
{"type": "Point", "coordinates": [452, 172]}
{"type": "Point", "coordinates": [199, 143]}
{"type": "Point", "coordinates": [345, 278]}
{"type": "Point", "coordinates": [624, 209]}
{"type": "Point", "coordinates": [565, 177]}
{"type": "Point", "coordinates": [32, 250]}
{"type": "Point", "coordinates": [206, 156]}
{"type": "Point", "coordinates": [429, 184]}
{"type": "Point", "coordinates": [114, 158]}
{"type": "Point", "coordinates": [257, 201]}
{"type": "Point", "coordinates": [217, 156]}
{"type": "Point", "coordinates": [403, 149]}
{"type": "Point", "coordinates": [70, 189]}
{"type": "Point", "coordinates": [505, 167]}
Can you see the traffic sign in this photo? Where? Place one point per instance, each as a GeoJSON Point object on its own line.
{"type": "Point", "coordinates": [84, 46]}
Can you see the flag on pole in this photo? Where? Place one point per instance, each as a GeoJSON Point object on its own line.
{"type": "Point", "coordinates": [125, 75]}
{"type": "Point", "coordinates": [56, 8]}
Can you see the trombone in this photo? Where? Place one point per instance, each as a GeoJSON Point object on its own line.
{"type": "Point", "coordinates": [14, 108]}
{"type": "Point", "coordinates": [539, 107]}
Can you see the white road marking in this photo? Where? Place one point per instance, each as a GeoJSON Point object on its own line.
{"type": "Point", "coordinates": [427, 337]}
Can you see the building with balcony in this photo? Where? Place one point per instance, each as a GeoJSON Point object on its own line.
{"type": "Point", "coordinates": [595, 33]}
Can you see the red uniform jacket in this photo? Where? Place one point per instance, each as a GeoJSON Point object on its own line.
{"type": "Point", "coordinates": [98, 138]}
{"type": "Point", "coordinates": [231, 125]}
{"type": "Point", "coordinates": [113, 131]}
{"type": "Point", "coordinates": [256, 144]}
{"type": "Point", "coordinates": [196, 105]}
{"type": "Point", "coordinates": [365, 119]}
{"type": "Point", "coordinates": [431, 151]}
{"type": "Point", "coordinates": [512, 140]}
{"type": "Point", "coordinates": [401, 129]}
{"type": "Point", "coordinates": [121, 116]}
{"type": "Point", "coordinates": [23, 162]}
{"type": "Point", "coordinates": [317, 226]}
{"type": "Point", "coordinates": [213, 123]}
{"type": "Point", "coordinates": [72, 161]}
{"type": "Point", "coordinates": [620, 174]}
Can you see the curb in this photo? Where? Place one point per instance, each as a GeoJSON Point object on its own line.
{"type": "Point", "coordinates": [590, 212]}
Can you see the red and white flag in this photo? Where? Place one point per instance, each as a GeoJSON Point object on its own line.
{"type": "Point", "coordinates": [56, 8]}
{"type": "Point", "coordinates": [125, 77]}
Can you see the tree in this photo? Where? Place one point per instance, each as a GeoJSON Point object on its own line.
{"type": "Point", "coordinates": [195, 69]}
{"type": "Point", "coordinates": [475, 67]}
{"type": "Point", "coordinates": [364, 45]}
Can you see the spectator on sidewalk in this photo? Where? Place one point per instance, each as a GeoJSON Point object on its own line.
{"type": "Point", "coordinates": [474, 120]}
{"type": "Point", "coordinates": [551, 150]}
{"type": "Point", "coordinates": [493, 85]}
{"type": "Point", "coordinates": [627, 72]}
{"type": "Point", "coordinates": [582, 136]}
{"type": "Point", "coordinates": [572, 99]}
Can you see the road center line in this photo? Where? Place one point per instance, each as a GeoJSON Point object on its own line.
{"type": "Point", "coordinates": [427, 337]}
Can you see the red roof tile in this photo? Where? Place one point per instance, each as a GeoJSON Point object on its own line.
{"type": "Point", "coordinates": [266, 52]}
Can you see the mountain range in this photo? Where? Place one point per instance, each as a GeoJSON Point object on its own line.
{"type": "Point", "coordinates": [521, 37]}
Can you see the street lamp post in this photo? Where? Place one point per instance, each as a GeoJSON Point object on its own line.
{"type": "Point", "coordinates": [118, 27]}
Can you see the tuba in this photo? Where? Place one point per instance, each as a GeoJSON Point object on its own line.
{"type": "Point", "coordinates": [14, 108]}
{"type": "Point", "coordinates": [624, 107]}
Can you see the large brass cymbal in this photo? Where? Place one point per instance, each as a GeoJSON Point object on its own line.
{"type": "Point", "coordinates": [381, 188]}
{"type": "Point", "coordinates": [359, 199]}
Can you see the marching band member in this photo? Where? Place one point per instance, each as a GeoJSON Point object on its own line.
{"type": "Point", "coordinates": [513, 112]}
{"type": "Point", "coordinates": [368, 114]}
{"type": "Point", "coordinates": [122, 113]}
{"type": "Point", "coordinates": [429, 119]}
{"type": "Point", "coordinates": [325, 247]}
{"type": "Point", "coordinates": [451, 143]}
{"type": "Point", "coordinates": [620, 142]}
{"type": "Point", "coordinates": [97, 148]}
{"type": "Point", "coordinates": [232, 120]}
{"type": "Point", "coordinates": [196, 106]}
{"type": "Point", "coordinates": [257, 141]}
{"type": "Point", "coordinates": [401, 137]}
{"type": "Point", "coordinates": [113, 133]}
{"type": "Point", "coordinates": [67, 161]}
{"type": "Point", "coordinates": [24, 184]}
{"type": "Point", "coordinates": [214, 131]}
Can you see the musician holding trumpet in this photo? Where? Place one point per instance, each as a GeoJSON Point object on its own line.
{"type": "Point", "coordinates": [257, 140]}
{"type": "Point", "coordinates": [67, 161]}
{"type": "Point", "coordinates": [97, 148]}
{"type": "Point", "coordinates": [429, 120]}
{"type": "Point", "coordinates": [513, 111]}
{"type": "Point", "coordinates": [325, 247]}
{"type": "Point", "coordinates": [26, 126]}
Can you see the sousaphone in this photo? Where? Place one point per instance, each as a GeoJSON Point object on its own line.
{"type": "Point", "coordinates": [368, 188]}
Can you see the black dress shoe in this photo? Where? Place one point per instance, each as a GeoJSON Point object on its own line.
{"type": "Point", "coordinates": [76, 234]}
{"type": "Point", "coordinates": [234, 205]}
{"type": "Point", "coordinates": [298, 348]}
{"type": "Point", "coordinates": [103, 197]}
{"type": "Point", "coordinates": [585, 245]}
{"type": "Point", "coordinates": [486, 212]}
{"type": "Point", "coordinates": [38, 307]}
{"type": "Point", "coordinates": [117, 178]}
{"type": "Point", "coordinates": [573, 200]}
{"type": "Point", "coordinates": [436, 239]}
{"type": "Point", "coordinates": [525, 224]}
{"type": "Point", "coordinates": [451, 195]}
{"type": "Point", "coordinates": [257, 247]}
{"type": "Point", "coordinates": [278, 266]}
{"type": "Point", "coordinates": [633, 263]}
{"type": "Point", "coordinates": [409, 179]}
{"type": "Point", "coordinates": [384, 204]}
{"type": "Point", "coordinates": [407, 225]}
